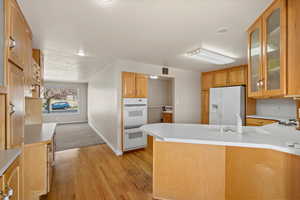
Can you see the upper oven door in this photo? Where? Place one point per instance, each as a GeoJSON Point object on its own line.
{"type": "Point", "coordinates": [134, 116]}
{"type": "Point", "coordinates": [2, 39]}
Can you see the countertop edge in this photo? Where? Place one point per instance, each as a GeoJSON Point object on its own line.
{"type": "Point", "coordinates": [288, 150]}
{"type": "Point", "coordinates": [16, 153]}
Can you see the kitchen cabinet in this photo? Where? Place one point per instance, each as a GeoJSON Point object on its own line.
{"type": "Point", "coordinates": [33, 110]}
{"type": "Point", "coordinates": [207, 80]}
{"type": "Point", "coordinates": [2, 121]}
{"type": "Point", "coordinates": [16, 34]}
{"type": "Point", "coordinates": [233, 76]}
{"type": "Point", "coordinates": [220, 78]}
{"type": "Point", "coordinates": [38, 72]}
{"type": "Point", "coordinates": [141, 86]}
{"type": "Point", "coordinates": [16, 109]}
{"type": "Point", "coordinates": [259, 122]}
{"type": "Point", "coordinates": [12, 181]}
{"type": "Point", "coordinates": [255, 59]}
{"type": "Point", "coordinates": [128, 84]}
{"type": "Point", "coordinates": [28, 64]}
{"type": "Point", "coordinates": [2, 46]}
{"type": "Point", "coordinates": [167, 117]}
{"type": "Point", "coordinates": [38, 168]}
{"type": "Point", "coordinates": [237, 76]}
{"type": "Point", "coordinates": [39, 156]}
{"type": "Point", "coordinates": [205, 107]}
{"type": "Point", "coordinates": [267, 53]}
{"type": "Point", "coordinates": [134, 85]}
{"type": "Point", "coordinates": [293, 44]}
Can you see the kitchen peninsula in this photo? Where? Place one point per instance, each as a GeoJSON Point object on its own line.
{"type": "Point", "coordinates": [202, 162]}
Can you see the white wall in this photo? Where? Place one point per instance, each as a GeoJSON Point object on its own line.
{"type": "Point", "coordinates": [105, 95]}
{"type": "Point", "coordinates": [285, 108]}
{"type": "Point", "coordinates": [69, 117]}
{"type": "Point", "coordinates": [103, 104]}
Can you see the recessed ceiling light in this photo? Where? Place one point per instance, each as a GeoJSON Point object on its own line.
{"type": "Point", "coordinates": [80, 53]}
{"type": "Point", "coordinates": [106, 3]}
{"type": "Point", "coordinates": [153, 77]}
{"type": "Point", "coordinates": [222, 30]}
{"type": "Point", "coordinates": [210, 56]}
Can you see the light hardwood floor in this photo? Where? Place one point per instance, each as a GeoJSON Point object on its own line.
{"type": "Point", "coordinates": [96, 173]}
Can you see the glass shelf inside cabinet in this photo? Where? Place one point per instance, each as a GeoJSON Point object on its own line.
{"type": "Point", "coordinates": [2, 35]}
{"type": "Point", "coordinates": [255, 53]}
{"type": "Point", "coordinates": [273, 51]}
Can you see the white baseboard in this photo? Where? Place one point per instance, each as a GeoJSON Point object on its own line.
{"type": "Point", "coordinates": [116, 151]}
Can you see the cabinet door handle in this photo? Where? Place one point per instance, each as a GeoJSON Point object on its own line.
{"type": "Point", "coordinates": [4, 196]}
{"type": "Point", "coordinates": [258, 83]}
{"type": "Point", "coordinates": [10, 191]}
{"type": "Point", "coordinates": [12, 108]}
{"type": "Point", "coordinates": [12, 43]}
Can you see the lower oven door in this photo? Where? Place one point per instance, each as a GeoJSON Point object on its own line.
{"type": "Point", "coordinates": [134, 139]}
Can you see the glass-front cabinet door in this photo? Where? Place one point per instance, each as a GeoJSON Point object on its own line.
{"type": "Point", "coordinates": [274, 62]}
{"type": "Point", "coordinates": [255, 61]}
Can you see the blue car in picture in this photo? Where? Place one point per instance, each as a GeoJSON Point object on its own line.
{"type": "Point", "coordinates": [60, 106]}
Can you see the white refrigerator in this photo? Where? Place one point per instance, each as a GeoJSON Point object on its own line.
{"type": "Point", "coordinates": [225, 104]}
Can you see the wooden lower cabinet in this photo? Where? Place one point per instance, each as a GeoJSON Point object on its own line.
{"type": "Point", "coordinates": [11, 181]}
{"type": "Point", "coordinates": [259, 122]}
{"type": "Point", "coordinates": [38, 169]}
{"type": "Point", "coordinates": [167, 117]}
{"type": "Point", "coordinates": [194, 171]}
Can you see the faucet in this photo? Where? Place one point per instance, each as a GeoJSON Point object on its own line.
{"type": "Point", "coordinates": [239, 124]}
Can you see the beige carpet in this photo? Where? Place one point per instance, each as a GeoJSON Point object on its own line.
{"type": "Point", "coordinates": [70, 136]}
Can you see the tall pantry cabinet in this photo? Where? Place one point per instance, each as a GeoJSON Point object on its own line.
{"type": "Point", "coordinates": [14, 84]}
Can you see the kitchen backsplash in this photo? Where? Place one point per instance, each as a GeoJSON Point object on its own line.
{"type": "Point", "coordinates": [285, 108]}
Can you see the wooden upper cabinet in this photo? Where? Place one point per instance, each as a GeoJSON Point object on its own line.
{"type": "Point", "coordinates": [134, 85]}
{"type": "Point", "coordinates": [13, 181]}
{"type": "Point", "coordinates": [293, 44]}
{"type": "Point", "coordinates": [220, 78]}
{"type": "Point", "coordinates": [141, 86]}
{"type": "Point", "coordinates": [267, 53]}
{"type": "Point", "coordinates": [274, 49]}
{"type": "Point", "coordinates": [207, 80]}
{"type": "Point", "coordinates": [2, 121]}
{"type": "Point", "coordinates": [16, 109]}
{"type": "Point", "coordinates": [205, 107]}
{"type": "Point", "coordinates": [129, 89]}
{"type": "Point", "coordinates": [38, 56]}
{"type": "Point", "coordinates": [237, 76]}
{"type": "Point", "coordinates": [16, 35]}
{"type": "Point", "coordinates": [255, 59]}
{"type": "Point", "coordinates": [28, 71]}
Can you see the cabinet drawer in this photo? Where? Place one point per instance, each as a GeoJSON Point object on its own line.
{"type": "Point", "coordinates": [259, 122]}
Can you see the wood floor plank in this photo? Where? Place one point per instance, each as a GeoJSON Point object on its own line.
{"type": "Point", "coordinates": [96, 173]}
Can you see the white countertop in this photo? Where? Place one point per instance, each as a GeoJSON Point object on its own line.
{"type": "Point", "coordinates": [39, 133]}
{"type": "Point", "coordinates": [269, 117]}
{"type": "Point", "coordinates": [274, 136]}
{"type": "Point", "coordinates": [7, 157]}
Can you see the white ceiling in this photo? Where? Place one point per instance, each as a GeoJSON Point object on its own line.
{"type": "Point", "coordinates": [149, 31]}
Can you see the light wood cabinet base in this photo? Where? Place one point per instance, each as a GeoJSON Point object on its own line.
{"type": "Point", "coordinates": [193, 171]}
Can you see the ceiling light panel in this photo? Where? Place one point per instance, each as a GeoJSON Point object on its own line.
{"type": "Point", "coordinates": [210, 56]}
